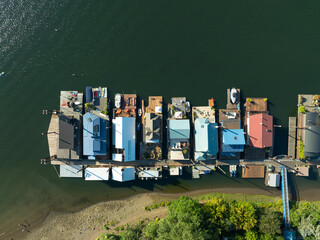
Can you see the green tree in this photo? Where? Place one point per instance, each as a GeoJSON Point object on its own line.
{"type": "Point", "coordinates": [243, 215]}
{"type": "Point", "coordinates": [132, 232]}
{"type": "Point", "coordinates": [306, 228]}
{"type": "Point", "coordinates": [184, 221]}
{"type": "Point", "coordinates": [270, 223]}
{"type": "Point", "coordinates": [251, 235]}
{"type": "Point", "coordinates": [150, 231]}
{"type": "Point", "coordinates": [216, 212]}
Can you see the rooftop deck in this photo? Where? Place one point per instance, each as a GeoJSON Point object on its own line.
{"type": "Point", "coordinates": [177, 109]}
{"type": "Point", "coordinates": [128, 106]}
{"type": "Point", "coordinates": [71, 103]}
{"type": "Point", "coordinates": [256, 105]}
{"type": "Point", "coordinates": [154, 101]}
{"type": "Point", "coordinates": [204, 112]}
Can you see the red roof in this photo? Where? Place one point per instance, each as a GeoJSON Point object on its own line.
{"type": "Point", "coordinates": [260, 130]}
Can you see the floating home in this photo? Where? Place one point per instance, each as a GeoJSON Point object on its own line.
{"type": "Point", "coordinates": [81, 144]}
{"type": "Point", "coordinates": [178, 130]}
{"type": "Point", "coordinates": [206, 145]}
{"type": "Point", "coordinates": [232, 139]}
{"type": "Point", "coordinates": [95, 124]}
{"type": "Point", "coordinates": [124, 129]}
{"type": "Point", "coordinates": [259, 127]}
{"type": "Point", "coordinates": [152, 129]}
{"type": "Point", "coordinates": [304, 131]}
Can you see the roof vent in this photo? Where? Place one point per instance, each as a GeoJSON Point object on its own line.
{"type": "Point", "coordinates": [90, 119]}
{"type": "Point", "coordinates": [235, 138]}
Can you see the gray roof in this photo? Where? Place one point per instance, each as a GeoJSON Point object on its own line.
{"type": "Point", "coordinates": [152, 132]}
{"type": "Point", "coordinates": [312, 135]}
{"type": "Point", "coordinates": [66, 135]}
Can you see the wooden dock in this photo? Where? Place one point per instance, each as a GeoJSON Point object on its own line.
{"type": "Point", "coordinates": [53, 135]}
{"type": "Point", "coordinates": [292, 136]}
{"type": "Point", "coordinates": [136, 163]}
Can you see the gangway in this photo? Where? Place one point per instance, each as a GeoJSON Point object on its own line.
{"type": "Point", "coordinates": [289, 234]}
{"type": "Point", "coordinates": [285, 197]}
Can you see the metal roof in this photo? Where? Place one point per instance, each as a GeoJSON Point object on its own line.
{"type": "Point", "coordinates": [179, 129]}
{"type": "Point", "coordinates": [71, 171]}
{"type": "Point", "coordinates": [152, 128]}
{"type": "Point", "coordinates": [66, 135]}
{"type": "Point", "coordinates": [94, 136]}
{"type": "Point", "coordinates": [233, 140]}
{"type": "Point", "coordinates": [123, 174]}
{"type": "Point", "coordinates": [312, 135]}
{"type": "Point", "coordinates": [260, 130]}
{"type": "Point", "coordinates": [233, 136]}
{"type": "Point", "coordinates": [97, 174]}
{"type": "Point", "coordinates": [206, 136]}
{"type": "Point", "coordinates": [124, 136]}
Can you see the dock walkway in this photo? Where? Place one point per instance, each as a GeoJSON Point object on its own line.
{"type": "Point", "coordinates": [292, 136]}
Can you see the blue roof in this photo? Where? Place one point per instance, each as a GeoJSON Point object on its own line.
{"type": "Point", "coordinates": [206, 136]}
{"type": "Point", "coordinates": [179, 129]}
{"type": "Point", "coordinates": [94, 136]}
{"type": "Point", "coordinates": [233, 140]}
{"type": "Point", "coordinates": [233, 137]}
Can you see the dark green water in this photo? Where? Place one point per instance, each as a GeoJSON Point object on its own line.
{"type": "Point", "coordinates": [171, 48]}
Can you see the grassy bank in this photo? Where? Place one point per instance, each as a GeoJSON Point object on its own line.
{"type": "Point", "coordinates": [217, 215]}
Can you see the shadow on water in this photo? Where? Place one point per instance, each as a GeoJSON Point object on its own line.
{"type": "Point", "coordinates": [313, 174]}
{"type": "Point", "coordinates": [280, 140]}
{"type": "Point", "coordinates": [258, 186]}
{"type": "Point", "coordinates": [293, 188]}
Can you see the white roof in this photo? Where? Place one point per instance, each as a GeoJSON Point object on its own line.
{"type": "Point", "coordinates": [124, 132]}
{"type": "Point", "coordinates": [176, 155]}
{"type": "Point", "coordinates": [71, 171]}
{"type": "Point", "coordinates": [117, 157]}
{"type": "Point", "coordinates": [149, 174]}
{"type": "Point", "coordinates": [174, 171]}
{"type": "Point", "coordinates": [274, 180]}
{"type": "Point", "coordinates": [123, 174]}
{"type": "Point", "coordinates": [178, 115]}
{"type": "Point", "coordinates": [96, 173]}
{"type": "Point", "coordinates": [158, 109]}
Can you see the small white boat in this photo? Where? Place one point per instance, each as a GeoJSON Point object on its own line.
{"type": "Point", "coordinates": [187, 106]}
{"type": "Point", "coordinates": [117, 100]}
{"type": "Point", "coordinates": [234, 96]}
{"type": "Point", "coordinates": [1, 74]}
{"type": "Point", "coordinates": [139, 112]}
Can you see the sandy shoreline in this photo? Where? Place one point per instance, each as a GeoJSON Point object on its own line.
{"type": "Point", "coordinates": [88, 222]}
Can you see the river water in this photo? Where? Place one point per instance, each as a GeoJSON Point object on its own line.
{"type": "Point", "coordinates": [187, 48]}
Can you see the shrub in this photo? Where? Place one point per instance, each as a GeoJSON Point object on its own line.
{"type": "Point", "coordinates": [301, 150]}
{"type": "Point", "coordinates": [302, 109]}
{"type": "Point", "coordinates": [89, 106]}
{"type": "Point", "coordinates": [105, 227]}
{"type": "Point", "coordinates": [157, 205]}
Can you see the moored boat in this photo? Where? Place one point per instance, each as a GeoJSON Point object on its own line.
{"type": "Point", "coordinates": [234, 96]}
{"type": "Point", "coordinates": [187, 106]}
{"type": "Point", "coordinates": [117, 100]}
